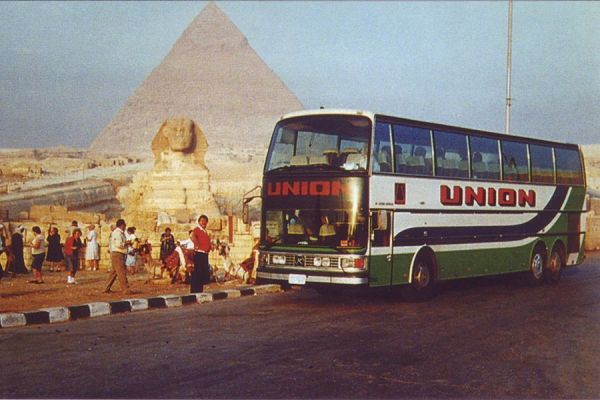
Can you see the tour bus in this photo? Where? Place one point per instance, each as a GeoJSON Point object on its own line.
{"type": "Point", "coordinates": [353, 198]}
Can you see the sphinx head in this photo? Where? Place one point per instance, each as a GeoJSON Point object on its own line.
{"type": "Point", "coordinates": [180, 134]}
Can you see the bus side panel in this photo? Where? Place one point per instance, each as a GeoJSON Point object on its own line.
{"type": "Point", "coordinates": [379, 270]}
{"type": "Point", "coordinates": [467, 262]}
{"type": "Point", "coordinates": [401, 270]}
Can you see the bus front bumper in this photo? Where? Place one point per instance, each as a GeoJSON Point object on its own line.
{"type": "Point", "coordinates": [308, 278]}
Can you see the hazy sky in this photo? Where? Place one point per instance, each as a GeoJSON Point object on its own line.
{"type": "Point", "coordinates": [67, 68]}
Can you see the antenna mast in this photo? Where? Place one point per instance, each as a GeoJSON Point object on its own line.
{"type": "Point", "coordinates": [508, 69]}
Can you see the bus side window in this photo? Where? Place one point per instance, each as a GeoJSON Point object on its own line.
{"type": "Point", "coordinates": [451, 154]}
{"type": "Point", "coordinates": [542, 165]}
{"type": "Point", "coordinates": [485, 160]}
{"type": "Point", "coordinates": [514, 161]}
{"type": "Point", "coordinates": [568, 166]}
{"type": "Point", "coordinates": [382, 155]}
{"type": "Point", "coordinates": [412, 150]}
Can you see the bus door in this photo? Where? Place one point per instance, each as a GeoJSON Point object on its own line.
{"type": "Point", "coordinates": [381, 257]}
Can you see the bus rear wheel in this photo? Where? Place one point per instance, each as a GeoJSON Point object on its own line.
{"type": "Point", "coordinates": [422, 286]}
{"type": "Point", "coordinates": [554, 267]}
{"type": "Point", "coordinates": [537, 266]}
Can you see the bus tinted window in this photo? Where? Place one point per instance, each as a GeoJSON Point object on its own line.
{"type": "Point", "coordinates": [451, 155]}
{"type": "Point", "coordinates": [542, 165]}
{"type": "Point", "coordinates": [485, 160]}
{"type": "Point", "coordinates": [382, 148]}
{"type": "Point", "coordinates": [412, 150]}
{"type": "Point", "coordinates": [568, 166]}
{"type": "Point", "coordinates": [514, 161]}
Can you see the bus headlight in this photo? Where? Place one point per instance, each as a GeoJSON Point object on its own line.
{"type": "Point", "coordinates": [357, 263]}
{"type": "Point", "coordinates": [317, 261]}
{"type": "Point", "coordinates": [278, 259]}
{"type": "Point", "coordinates": [326, 262]}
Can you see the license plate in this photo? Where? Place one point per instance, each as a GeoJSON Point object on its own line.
{"type": "Point", "coordinates": [295, 279]}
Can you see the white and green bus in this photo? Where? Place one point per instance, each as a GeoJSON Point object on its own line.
{"type": "Point", "coordinates": [353, 198]}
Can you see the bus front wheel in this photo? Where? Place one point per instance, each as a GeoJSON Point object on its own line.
{"type": "Point", "coordinates": [422, 286]}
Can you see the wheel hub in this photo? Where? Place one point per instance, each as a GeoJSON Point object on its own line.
{"type": "Point", "coordinates": [537, 266]}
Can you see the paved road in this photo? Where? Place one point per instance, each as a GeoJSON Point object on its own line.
{"type": "Point", "coordinates": [486, 338]}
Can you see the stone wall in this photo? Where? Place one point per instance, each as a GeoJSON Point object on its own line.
{"type": "Point", "coordinates": [592, 237]}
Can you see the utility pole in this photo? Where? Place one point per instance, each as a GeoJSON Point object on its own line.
{"type": "Point", "coordinates": [508, 69]}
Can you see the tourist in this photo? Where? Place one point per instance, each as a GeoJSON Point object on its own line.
{"type": "Point", "coordinates": [38, 252]}
{"type": "Point", "coordinates": [188, 244]}
{"type": "Point", "coordinates": [118, 252]}
{"type": "Point", "coordinates": [92, 249]}
{"type": "Point", "coordinates": [201, 273]}
{"type": "Point", "coordinates": [54, 255]}
{"type": "Point", "coordinates": [132, 249]}
{"type": "Point", "coordinates": [74, 225]}
{"type": "Point", "coordinates": [17, 266]}
{"type": "Point", "coordinates": [3, 248]}
{"type": "Point", "coordinates": [167, 245]}
{"type": "Point", "coordinates": [72, 246]}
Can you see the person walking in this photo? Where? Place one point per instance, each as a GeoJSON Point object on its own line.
{"type": "Point", "coordinates": [118, 252]}
{"type": "Point", "coordinates": [92, 249]}
{"type": "Point", "coordinates": [38, 252]}
{"type": "Point", "coordinates": [16, 250]}
{"type": "Point", "coordinates": [54, 256]}
{"type": "Point", "coordinates": [201, 273]}
{"type": "Point", "coordinates": [73, 244]}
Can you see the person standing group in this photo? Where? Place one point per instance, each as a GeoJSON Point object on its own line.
{"type": "Point", "coordinates": [38, 253]}
{"type": "Point", "coordinates": [201, 273]}
{"type": "Point", "coordinates": [92, 249]}
{"type": "Point", "coordinates": [54, 256]}
{"type": "Point", "coordinates": [3, 248]}
{"type": "Point", "coordinates": [118, 253]}
{"type": "Point", "coordinates": [73, 244]}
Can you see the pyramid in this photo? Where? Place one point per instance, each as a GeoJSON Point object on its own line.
{"type": "Point", "coordinates": [211, 75]}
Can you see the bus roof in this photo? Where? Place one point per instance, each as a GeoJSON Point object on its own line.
{"type": "Point", "coordinates": [432, 125]}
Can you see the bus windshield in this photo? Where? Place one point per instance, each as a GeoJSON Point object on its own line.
{"type": "Point", "coordinates": [316, 213]}
{"type": "Point", "coordinates": [320, 142]}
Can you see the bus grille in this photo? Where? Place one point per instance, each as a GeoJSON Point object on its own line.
{"type": "Point", "coordinates": [308, 261]}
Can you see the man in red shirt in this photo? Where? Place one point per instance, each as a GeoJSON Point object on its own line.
{"type": "Point", "coordinates": [201, 273]}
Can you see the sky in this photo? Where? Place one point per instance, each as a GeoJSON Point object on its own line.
{"type": "Point", "coordinates": [68, 67]}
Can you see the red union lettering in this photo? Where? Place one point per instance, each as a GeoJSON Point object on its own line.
{"type": "Point", "coordinates": [451, 200]}
{"type": "Point", "coordinates": [305, 188]}
{"type": "Point", "coordinates": [527, 198]}
{"type": "Point", "coordinates": [507, 197]}
{"type": "Point", "coordinates": [474, 196]}
{"type": "Point", "coordinates": [469, 196]}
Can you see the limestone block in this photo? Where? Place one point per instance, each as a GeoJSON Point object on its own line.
{"type": "Point", "coordinates": [592, 237]}
{"type": "Point", "coordinates": [595, 206]}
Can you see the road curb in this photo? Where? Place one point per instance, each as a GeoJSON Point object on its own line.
{"type": "Point", "coordinates": [97, 309]}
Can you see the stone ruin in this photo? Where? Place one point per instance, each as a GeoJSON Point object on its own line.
{"type": "Point", "coordinates": [177, 189]}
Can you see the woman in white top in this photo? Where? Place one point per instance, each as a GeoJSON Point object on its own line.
{"type": "Point", "coordinates": [38, 252]}
{"type": "Point", "coordinates": [92, 250]}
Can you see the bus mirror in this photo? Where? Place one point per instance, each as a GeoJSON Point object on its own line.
{"type": "Point", "coordinates": [382, 220]}
{"type": "Point", "coordinates": [245, 217]}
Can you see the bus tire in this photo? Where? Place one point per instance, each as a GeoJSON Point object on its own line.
{"type": "Point", "coordinates": [554, 266]}
{"type": "Point", "coordinates": [422, 286]}
{"type": "Point", "coordinates": [535, 275]}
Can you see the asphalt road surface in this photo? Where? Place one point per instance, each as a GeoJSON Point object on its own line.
{"type": "Point", "coordinates": [481, 338]}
